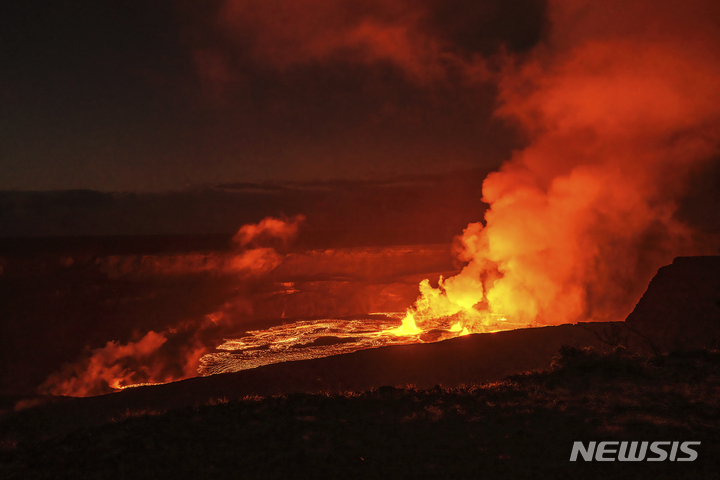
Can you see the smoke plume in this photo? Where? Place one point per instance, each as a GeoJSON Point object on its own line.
{"type": "Point", "coordinates": [619, 106]}
{"type": "Point", "coordinates": [269, 229]}
{"type": "Point", "coordinates": [282, 34]}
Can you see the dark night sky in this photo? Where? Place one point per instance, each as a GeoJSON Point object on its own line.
{"type": "Point", "coordinates": [129, 95]}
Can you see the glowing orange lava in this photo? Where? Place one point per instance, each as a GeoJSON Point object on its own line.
{"type": "Point", "coordinates": [305, 340]}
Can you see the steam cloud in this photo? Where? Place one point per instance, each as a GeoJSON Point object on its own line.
{"type": "Point", "coordinates": [620, 104]}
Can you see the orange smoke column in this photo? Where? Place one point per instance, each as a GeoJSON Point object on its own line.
{"type": "Point", "coordinates": [618, 111]}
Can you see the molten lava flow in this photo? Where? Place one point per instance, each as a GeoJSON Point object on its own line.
{"type": "Point", "coordinates": [454, 306]}
{"type": "Point", "coordinates": [305, 340]}
{"type": "Point", "coordinates": [408, 326]}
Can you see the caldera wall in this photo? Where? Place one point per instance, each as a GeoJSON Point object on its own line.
{"type": "Point", "coordinates": [681, 307]}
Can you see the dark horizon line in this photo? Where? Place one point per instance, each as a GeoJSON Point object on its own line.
{"type": "Point", "coordinates": [271, 186]}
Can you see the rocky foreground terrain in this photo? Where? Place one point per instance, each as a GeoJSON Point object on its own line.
{"type": "Point", "coordinates": [522, 427]}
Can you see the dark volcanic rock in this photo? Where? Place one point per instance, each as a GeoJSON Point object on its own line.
{"type": "Point", "coordinates": [681, 307]}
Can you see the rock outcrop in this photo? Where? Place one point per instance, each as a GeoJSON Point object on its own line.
{"type": "Point", "coordinates": [681, 308]}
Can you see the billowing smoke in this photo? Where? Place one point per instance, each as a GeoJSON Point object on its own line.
{"type": "Point", "coordinates": [115, 366]}
{"type": "Point", "coordinates": [426, 41]}
{"type": "Point", "coordinates": [269, 229]}
{"type": "Point", "coordinates": [620, 105]}
{"type": "Point", "coordinates": [245, 262]}
{"type": "Point", "coordinates": [174, 353]}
